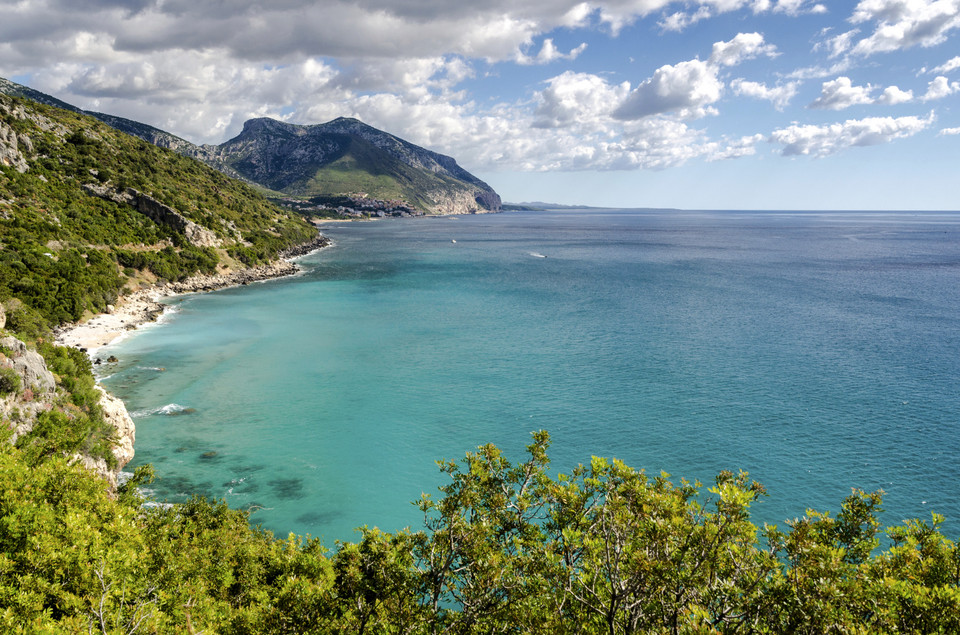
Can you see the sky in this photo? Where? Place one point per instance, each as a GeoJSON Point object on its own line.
{"type": "Point", "coordinates": [703, 104]}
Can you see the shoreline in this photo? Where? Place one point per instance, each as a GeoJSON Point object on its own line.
{"type": "Point", "coordinates": [144, 306]}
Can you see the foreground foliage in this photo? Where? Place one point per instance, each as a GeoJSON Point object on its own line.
{"type": "Point", "coordinates": [505, 549]}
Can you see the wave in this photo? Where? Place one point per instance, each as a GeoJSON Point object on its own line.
{"type": "Point", "coordinates": [170, 410]}
{"type": "Point", "coordinates": [537, 254]}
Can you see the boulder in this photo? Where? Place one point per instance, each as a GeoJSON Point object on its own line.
{"type": "Point", "coordinates": [30, 365]}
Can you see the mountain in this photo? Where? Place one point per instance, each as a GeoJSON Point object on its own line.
{"type": "Point", "coordinates": [346, 156]}
{"type": "Point", "coordinates": [341, 157]}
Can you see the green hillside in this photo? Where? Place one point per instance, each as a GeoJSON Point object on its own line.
{"type": "Point", "coordinates": [67, 253]}
{"type": "Point", "coordinates": [362, 167]}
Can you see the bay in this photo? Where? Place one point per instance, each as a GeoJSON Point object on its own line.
{"type": "Point", "coordinates": [816, 350]}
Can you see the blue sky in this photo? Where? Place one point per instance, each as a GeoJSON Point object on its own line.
{"type": "Point", "coordinates": [718, 104]}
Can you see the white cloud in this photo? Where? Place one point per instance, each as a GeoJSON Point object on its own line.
{"type": "Point", "coordinates": [576, 98]}
{"type": "Point", "coordinates": [892, 96]}
{"type": "Point", "coordinates": [939, 88]}
{"type": "Point", "coordinates": [549, 53]}
{"type": "Point", "coordinates": [901, 24]}
{"type": "Point", "coordinates": [742, 147]}
{"type": "Point", "coordinates": [742, 47]}
{"type": "Point", "coordinates": [950, 65]}
{"type": "Point", "coordinates": [840, 44]}
{"type": "Point", "coordinates": [687, 88]}
{"type": "Point", "coordinates": [680, 20]}
{"type": "Point", "coordinates": [779, 95]}
{"type": "Point", "coordinates": [821, 141]}
{"type": "Point", "coordinates": [841, 93]}
{"type": "Point", "coordinates": [819, 72]}
{"type": "Point", "coordinates": [949, 131]}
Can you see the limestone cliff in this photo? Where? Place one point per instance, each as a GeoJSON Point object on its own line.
{"type": "Point", "coordinates": [36, 391]}
{"type": "Point", "coordinates": [114, 413]}
{"type": "Point", "coordinates": [157, 212]}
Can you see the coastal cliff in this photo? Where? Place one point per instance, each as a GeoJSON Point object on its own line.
{"type": "Point", "coordinates": [30, 390]}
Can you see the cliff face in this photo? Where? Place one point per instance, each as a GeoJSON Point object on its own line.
{"type": "Point", "coordinates": [36, 391]}
{"type": "Point", "coordinates": [114, 413]}
{"type": "Point", "coordinates": [157, 212]}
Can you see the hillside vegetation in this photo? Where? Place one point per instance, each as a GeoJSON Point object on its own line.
{"type": "Point", "coordinates": [67, 253]}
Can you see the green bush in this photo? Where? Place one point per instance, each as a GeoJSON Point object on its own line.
{"type": "Point", "coordinates": [9, 381]}
{"type": "Point", "coordinates": [505, 548]}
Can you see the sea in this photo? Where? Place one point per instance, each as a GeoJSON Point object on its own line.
{"type": "Point", "coordinates": [818, 351]}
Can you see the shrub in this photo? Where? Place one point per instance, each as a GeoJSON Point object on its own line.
{"type": "Point", "coordinates": [9, 381]}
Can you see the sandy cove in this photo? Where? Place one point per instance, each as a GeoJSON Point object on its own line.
{"type": "Point", "coordinates": [143, 306]}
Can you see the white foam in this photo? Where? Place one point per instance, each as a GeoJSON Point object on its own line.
{"type": "Point", "coordinates": [170, 409]}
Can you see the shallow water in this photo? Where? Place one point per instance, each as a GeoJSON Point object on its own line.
{"type": "Point", "coordinates": [818, 351]}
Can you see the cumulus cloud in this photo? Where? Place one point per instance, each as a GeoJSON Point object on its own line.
{"type": "Point", "coordinates": [821, 141]}
{"type": "Point", "coordinates": [939, 88]}
{"type": "Point", "coordinates": [902, 24]}
{"type": "Point", "coordinates": [779, 95]}
{"type": "Point", "coordinates": [841, 93]}
{"type": "Point", "coordinates": [892, 96]}
{"type": "Point", "coordinates": [742, 47]}
{"type": "Point", "coordinates": [689, 88]}
{"type": "Point", "coordinates": [576, 98]}
{"type": "Point", "coordinates": [949, 131]}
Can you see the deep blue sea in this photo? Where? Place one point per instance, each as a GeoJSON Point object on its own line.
{"type": "Point", "coordinates": [818, 351]}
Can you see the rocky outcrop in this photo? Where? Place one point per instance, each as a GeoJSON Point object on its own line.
{"type": "Point", "coordinates": [459, 202]}
{"type": "Point", "coordinates": [38, 393]}
{"type": "Point", "coordinates": [157, 212]}
{"type": "Point", "coordinates": [29, 365]}
{"type": "Point", "coordinates": [114, 413]}
{"type": "Point", "coordinates": [10, 148]}
{"type": "Point", "coordinates": [319, 242]}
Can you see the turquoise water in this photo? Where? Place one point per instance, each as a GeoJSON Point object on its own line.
{"type": "Point", "coordinates": [818, 351]}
